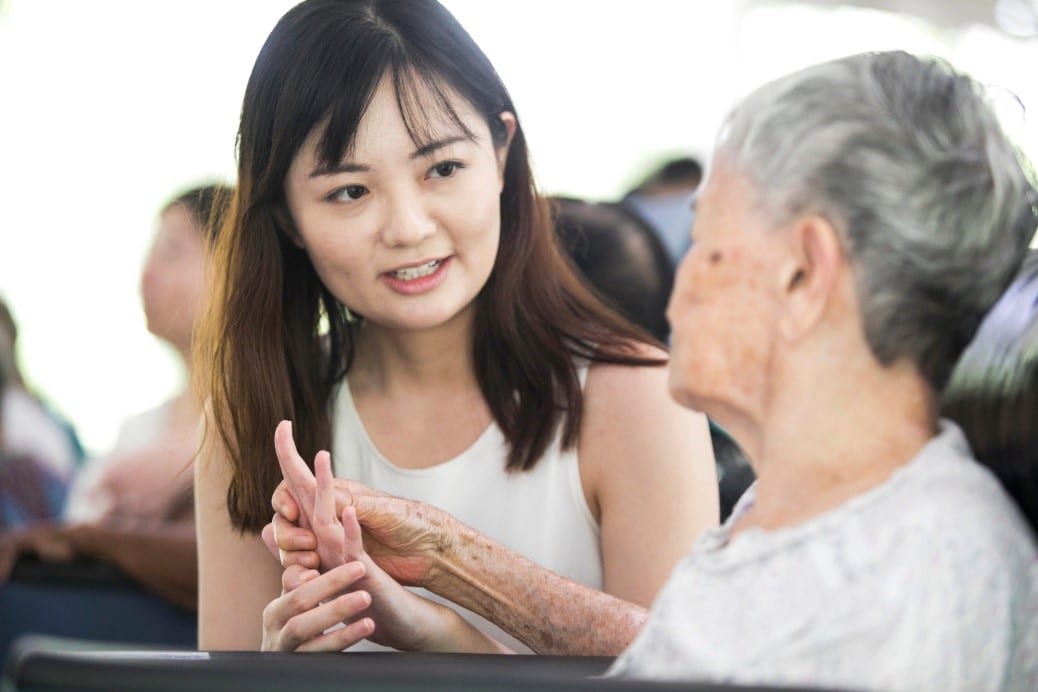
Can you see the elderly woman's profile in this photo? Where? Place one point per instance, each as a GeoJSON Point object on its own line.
{"type": "Point", "coordinates": [859, 219]}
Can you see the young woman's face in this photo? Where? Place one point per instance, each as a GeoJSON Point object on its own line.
{"type": "Point", "coordinates": [405, 235]}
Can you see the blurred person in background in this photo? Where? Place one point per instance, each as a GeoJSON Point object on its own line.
{"type": "Point", "coordinates": [30, 490]}
{"type": "Point", "coordinates": [664, 201]}
{"type": "Point", "coordinates": [33, 428]}
{"type": "Point", "coordinates": [133, 507]}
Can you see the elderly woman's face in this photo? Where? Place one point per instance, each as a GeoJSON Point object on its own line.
{"type": "Point", "coordinates": [722, 308]}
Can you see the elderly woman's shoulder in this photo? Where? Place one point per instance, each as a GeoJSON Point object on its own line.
{"type": "Point", "coordinates": [959, 509]}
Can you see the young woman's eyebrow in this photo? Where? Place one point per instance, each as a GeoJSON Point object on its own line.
{"type": "Point", "coordinates": [421, 152]}
{"type": "Point", "coordinates": [432, 147]}
{"type": "Point", "coordinates": [344, 167]}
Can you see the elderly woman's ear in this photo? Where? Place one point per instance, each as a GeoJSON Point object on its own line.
{"type": "Point", "coordinates": [813, 276]}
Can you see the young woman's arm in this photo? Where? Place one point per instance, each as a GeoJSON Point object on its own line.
{"type": "Point", "coordinates": [237, 576]}
{"type": "Point", "coordinates": [647, 467]}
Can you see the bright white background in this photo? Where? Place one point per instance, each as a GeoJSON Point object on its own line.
{"type": "Point", "coordinates": [109, 107]}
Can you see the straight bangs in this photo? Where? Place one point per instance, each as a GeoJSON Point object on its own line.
{"type": "Point", "coordinates": [423, 98]}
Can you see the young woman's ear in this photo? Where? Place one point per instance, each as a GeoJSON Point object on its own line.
{"type": "Point", "coordinates": [510, 124]}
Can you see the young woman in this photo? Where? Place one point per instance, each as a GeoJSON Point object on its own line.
{"type": "Point", "coordinates": [389, 281]}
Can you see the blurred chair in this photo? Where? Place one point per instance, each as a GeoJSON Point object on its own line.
{"type": "Point", "coordinates": [734, 473]}
{"type": "Point", "coordinates": [88, 599]}
{"type": "Point", "coordinates": [993, 391]}
{"type": "Point", "coordinates": [53, 665]}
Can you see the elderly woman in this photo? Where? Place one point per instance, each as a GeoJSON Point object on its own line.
{"type": "Point", "coordinates": [860, 219]}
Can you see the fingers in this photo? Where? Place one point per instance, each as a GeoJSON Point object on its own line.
{"type": "Point", "coordinates": [271, 541]}
{"type": "Point", "coordinates": [283, 502]}
{"type": "Point", "coordinates": [341, 638]}
{"type": "Point", "coordinates": [290, 544]}
{"type": "Point", "coordinates": [307, 628]}
{"type": "Point", "coordinates": [295, 576]}
{"type": "Point", "coordinates": [311, 604]}
{"type": "Point", "coordinates": [324, 504]}
{"type": "Point", "coordinates": [353, 542]}
{"type": "Point", "coordinates": [297, 474]}
{"type": "Point", "coordinates": [290, 537]}
{"type": "Point", "coordinates": [295, 545]}
{"type": "Point", "coordinates": [325, 521]}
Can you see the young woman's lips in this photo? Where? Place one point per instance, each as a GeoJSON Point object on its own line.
{"type": "Point", "coordinates": [420, 279]}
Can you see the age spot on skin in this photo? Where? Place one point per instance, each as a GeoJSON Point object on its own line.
{"type": "Point", "coordinates": [716, 256]}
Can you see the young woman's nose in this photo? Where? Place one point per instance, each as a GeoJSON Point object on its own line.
{"type": "Point", "coordinates": [407, 221]}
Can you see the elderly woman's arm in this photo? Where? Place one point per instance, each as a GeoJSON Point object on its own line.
{"type": "Point", "coordinates": [421, 545]}
{"type": "Point", "coordinates": [547, 612]}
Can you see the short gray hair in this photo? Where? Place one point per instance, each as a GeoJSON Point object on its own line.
{"type": "Point", "coordinates": [907, 159]}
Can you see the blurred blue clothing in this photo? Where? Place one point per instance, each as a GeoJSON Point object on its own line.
{"type": "Point", "coordinates": [670, 216]}
{"type": "Point", "coordinates": [29, 491]}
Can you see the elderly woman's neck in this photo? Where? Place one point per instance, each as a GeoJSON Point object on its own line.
{"type": "Point", "coordinates": [862, 422]}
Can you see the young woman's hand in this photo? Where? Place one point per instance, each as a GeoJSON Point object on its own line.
{"type": "Point", "coordinates": [400, 618]}
{"type": "Point", "coordinates": [311, 604]}
{"type": "Point", "coordinates": [408, 539]}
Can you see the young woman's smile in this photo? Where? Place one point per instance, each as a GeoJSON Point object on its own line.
{"type": "Point", "coordinates": [418, 278]}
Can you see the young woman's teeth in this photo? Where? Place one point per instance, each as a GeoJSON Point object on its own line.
{"type": "Point", "coordinates": [412, 273]}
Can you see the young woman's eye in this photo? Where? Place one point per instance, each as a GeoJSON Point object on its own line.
{"type": "Point", "coordinates": [445, 169]}
{"type": "Point", "coordinates": [350, 193]}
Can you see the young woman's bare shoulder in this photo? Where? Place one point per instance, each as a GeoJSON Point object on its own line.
{"type": "Point", "coordinates": [611, 387]}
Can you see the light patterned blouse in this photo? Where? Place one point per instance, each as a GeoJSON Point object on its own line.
{"type": "Point", "coordinates": [926, 582]}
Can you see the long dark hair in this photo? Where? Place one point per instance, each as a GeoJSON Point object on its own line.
{"type": "Point", "coordinates": [264, 355]}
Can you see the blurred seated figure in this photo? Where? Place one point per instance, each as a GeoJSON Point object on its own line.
{"type": "Point", "coordinates": [33, 430]}
{"type": "Point", "coordinates": [993, 392]}
{"type": "Point", "coordinates": [133, 508]}
{"type": "Point", "coordinates": [664, 202]}
{"type": "Point", "coordinates": [621, 258]}
{"type": "Point", "coordinates": [148, 474]}
{"type": "Point", "coordinates": [29, 489]}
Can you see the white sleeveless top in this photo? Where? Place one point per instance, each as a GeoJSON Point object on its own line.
{"type": "Point", "coordinates": [541, 513]}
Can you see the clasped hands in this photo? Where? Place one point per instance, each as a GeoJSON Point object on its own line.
{"type": "Point", "coordinates": [333, 575]}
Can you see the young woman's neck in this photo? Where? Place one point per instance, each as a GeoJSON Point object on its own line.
{"type": "Point", "coordinates": [390, 358]}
